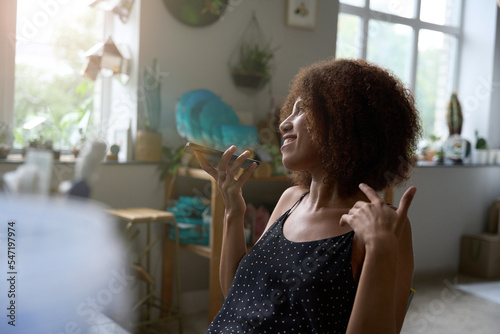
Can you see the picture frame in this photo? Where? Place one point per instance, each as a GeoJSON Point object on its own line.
{"type": "Point", "coordinates": [302, 14]}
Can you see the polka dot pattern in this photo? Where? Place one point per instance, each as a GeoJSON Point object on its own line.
{"type": "Point", "coordinates": [282, 286]}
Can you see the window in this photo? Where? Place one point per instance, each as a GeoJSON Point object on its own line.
{"type": "Point", "coordinates": [417, 39]}
{"type": "Point", "coordinates": [52, 101]}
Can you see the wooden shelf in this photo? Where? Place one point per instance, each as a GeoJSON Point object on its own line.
{"type": "Point", "coordinates": [200, 250]}
{"type": "Point", "coordinates": [197, 173]}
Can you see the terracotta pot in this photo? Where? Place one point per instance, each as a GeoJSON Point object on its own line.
{"type": "Point", "coordinates": [148, 146]}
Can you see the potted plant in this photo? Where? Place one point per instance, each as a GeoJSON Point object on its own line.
{"type": "Point", "coordinates": [148, 142]}
{"type": "Point", "coordinates": [456, 149]}
{"type": "Point", "coordinates": [480, 154]}
{"type": "Point", "coordinates": [253, 69]}
{"type": "Point", "coordinates": [432, 148]}
{"type": "Point", "coordinates": [169, 164]}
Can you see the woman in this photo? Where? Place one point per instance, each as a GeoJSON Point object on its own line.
{"type": "Point", "coordinates": [334, 257]}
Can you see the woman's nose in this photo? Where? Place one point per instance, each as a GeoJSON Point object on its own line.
{"type": "Point", "coordinates": [286, 125]}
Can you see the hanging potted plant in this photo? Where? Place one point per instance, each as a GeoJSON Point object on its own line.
{"type": "Point", "coordinates": [251, 61]}
{"type": "Point", "coordinates": [253, 67]}
{"type": "Point", "coordinates": [148, 142]}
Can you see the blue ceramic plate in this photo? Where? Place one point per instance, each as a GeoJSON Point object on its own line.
{"type": "Point", "coordinates": [214, 114]}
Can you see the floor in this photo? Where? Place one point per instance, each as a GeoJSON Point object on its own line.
{"type": "Point", "coordinates": [436, 308]}
{"type": "Point", "coordinates": [440, 308]}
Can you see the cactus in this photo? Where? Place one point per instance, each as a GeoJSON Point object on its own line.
{"type": "Point", "coordinates": [454, 116]}
{"type": "Point", "coordinates": [481, 143]}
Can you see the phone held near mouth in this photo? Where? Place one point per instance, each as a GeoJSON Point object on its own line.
{"type": "Point", "coordinates": [213, 156]}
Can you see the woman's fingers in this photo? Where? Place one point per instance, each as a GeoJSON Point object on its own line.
{"type": "Point", "coordinates": [236, 164]}
{"type": "Point", "coordinates": [404, 205]}
{"type": "Point", "coordinates": [369, 192]}
{"type": "Point", "coordinates": [205, 165]}
{"type": "Point", "coordinates": [343, 220]}
{"type": "Point", "coordinates": [225, 159]}
{"type": "Point", "coordinates": [405, 202]}
{"type": "Point", "coordinates": [246, 174]}
{"type": "Point", "coordinates": [226, 166]}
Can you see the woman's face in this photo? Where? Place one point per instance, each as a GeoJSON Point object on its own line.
{"type": "Point", "coordinates": [298, 150]}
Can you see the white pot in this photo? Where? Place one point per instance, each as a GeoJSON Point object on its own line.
{"type": "Point", "coordinates": [480, 157]}
{"type": "Point", "coordinates": [492, 156]}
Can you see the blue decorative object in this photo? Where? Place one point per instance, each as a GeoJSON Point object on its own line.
{"type": "Point", "coordinates": [187, 113]}
{"type": "Point", "coordinates": [193, 218]}
{"type": "Point", "coordinates": [200, 115]}
{"type": "Point", "coordinates": [214, 115]}
{"type": "Point", "coordinates": [243, 136]}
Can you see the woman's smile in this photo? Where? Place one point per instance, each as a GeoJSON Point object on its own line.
{"type": "Point", "coordinates": [287, 140]}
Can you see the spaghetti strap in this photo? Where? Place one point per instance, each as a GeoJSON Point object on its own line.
{"type": "Point", "coordinates": [298, 201]}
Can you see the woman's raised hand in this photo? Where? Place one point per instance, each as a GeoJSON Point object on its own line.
{"type": "Point", "coordinates": [224, 175]}
{"type": "Point", "coordinates": [374, 221]}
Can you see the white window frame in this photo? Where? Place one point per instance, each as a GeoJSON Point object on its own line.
{"type": "Point", "coordinates": [365, 13]}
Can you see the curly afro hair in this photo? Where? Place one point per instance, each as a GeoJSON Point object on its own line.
{"type": "Point", "coordinates": [364, 121]}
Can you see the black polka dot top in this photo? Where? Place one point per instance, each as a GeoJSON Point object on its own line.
{"type": "Point", "coordinates": [282, 286]}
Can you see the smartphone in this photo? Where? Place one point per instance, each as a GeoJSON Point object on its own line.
{"type": "Point", "coordinates": [213, 156]}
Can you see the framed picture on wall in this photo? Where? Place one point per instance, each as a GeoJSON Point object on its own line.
{"type": "Point", "coordinates": [302, 14]}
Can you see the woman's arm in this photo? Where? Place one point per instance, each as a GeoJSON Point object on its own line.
{"type": "Point", "coordinates": [384, 284]}
{"type": "Point", "coordinates": [233, 239]}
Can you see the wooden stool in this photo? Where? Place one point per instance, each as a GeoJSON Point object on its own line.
{"type": "Point", "coordinates": [142, 270]}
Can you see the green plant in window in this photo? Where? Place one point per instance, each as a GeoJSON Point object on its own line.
{"type": "Point", "coordinates": [454, 116]}
{"type": "Point", "coordinates": [481, 143]}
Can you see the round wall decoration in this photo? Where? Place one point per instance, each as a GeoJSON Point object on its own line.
{"type": "Point", "coordinates": [196, 13]}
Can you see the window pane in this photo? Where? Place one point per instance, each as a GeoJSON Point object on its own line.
{"type": "Point", "coordinates": [359, 3]}
{"type": "Point", "coordinates": [443, 12]}
{"type": "Point", "coordinates": [435, 74]}
{"type": "Point", "coordinates": [50, 91]}
{"type": "Point", "coordinates": [349, 42]}
{"type": "Point", "coordinates": [399, 8]}
{"type": "Point", "coordinates": [389, 45]}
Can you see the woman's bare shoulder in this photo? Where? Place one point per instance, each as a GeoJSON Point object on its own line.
{"type": "Point", "coordinates": [291, 195]}
{"type": "Point", "coordinates": [286, 201]}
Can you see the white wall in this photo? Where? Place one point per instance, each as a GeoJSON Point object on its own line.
{"type": "Point", "coordinates": [476, 77]}
{"type": "Point", "coordinates": [450, 201]}
{"type": "Point", "coordinates": [494, 133]}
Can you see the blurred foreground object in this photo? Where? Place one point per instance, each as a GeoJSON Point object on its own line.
{"type": "Point", "coordinates": [33, 177]}
{"type": "Point", "coordinates": [66, 269]}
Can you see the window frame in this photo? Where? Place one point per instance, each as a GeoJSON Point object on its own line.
{"type": "Point", "coordinates": [366, 14]}
{"type": "Point", "coordinates": [8, 19]}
